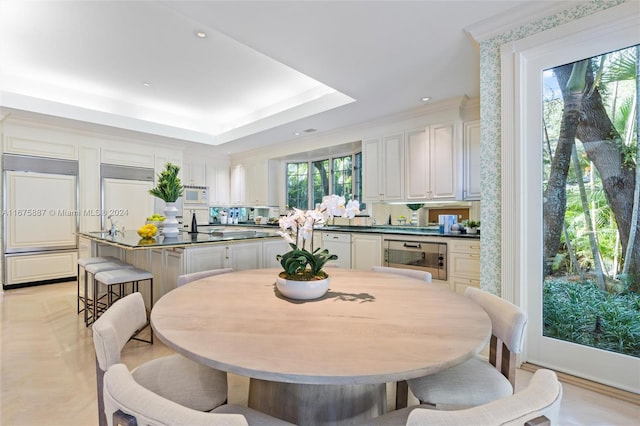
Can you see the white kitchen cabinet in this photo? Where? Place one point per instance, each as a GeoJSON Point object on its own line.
{"type": "Point", "coordinates": [26, 268]}
{"type": "Point", "coordinates": [246, 256]}
{"type": "Point", "coordinates": [464, 263]}
{"type": "Point", "coordinates": [442, 162]}
{"type": "Point", "coordinates": [238, 255]}
{"type": "Point", "coordinates": [471, 161]}
{"type": "Point", "coordinates": [205, 258]}
{"type": "Point", "coordinates": [194, 172]}
{"type": "Point", "coordinates": [431, 164]}
{"type": "Point", "coordinates": [383, 168]}
{"type": "Point", "coordinates": [257, 183]}
{"type": "Point", "coordinates": [218, 183]}
{"type": "Point", "coordinates": [165, 265]}
{"type": "Point", "coordinates": [39, 141]}
{"type": "Point", "coordinates": [123, 154]}
{"type": "Point", "coordinates": [238, 185]}
{"type": "Point", "coordinates": [366, 251]}
{"type": "Point", "coordinates": [270, 249]}
{"type": "Point", "coordinates": [418, 178]}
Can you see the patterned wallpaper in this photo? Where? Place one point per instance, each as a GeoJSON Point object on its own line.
{"type": "Point", "coordinates": [490, 111]}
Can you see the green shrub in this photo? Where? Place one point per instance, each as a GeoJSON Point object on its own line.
{"type": "Point", "coordinates": [579, 312]}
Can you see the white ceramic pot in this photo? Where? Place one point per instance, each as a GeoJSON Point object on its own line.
{"type": "Point", "coordinates": [302, 290]}
{"type": "Point", "coordinates": [170, 226]}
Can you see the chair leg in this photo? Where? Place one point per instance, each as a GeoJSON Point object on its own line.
{"type": "Point", "coordinates": [85, 295]}
{"type": "Point", "coordinates": [151, 306]}
{"type": "Point", "coordinates": [102, 417]}
{"type": "Point", "coordinates": [148, 324]}
{"type": "Point", "coordinates": [121, 418]}
{"type": "Point", "coordinates": [402, 394]}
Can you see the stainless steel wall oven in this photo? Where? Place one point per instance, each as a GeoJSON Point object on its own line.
{"type": "Point", "coordinates": [420, 255]}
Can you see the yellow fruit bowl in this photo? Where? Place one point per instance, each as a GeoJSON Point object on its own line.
{"type": "Point", "coordinates": [148, 231]}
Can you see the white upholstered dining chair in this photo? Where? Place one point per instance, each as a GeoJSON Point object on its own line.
{"type": "Point", "coordinates": [173, 377]}
{"type": "Point", "coordinates": [187, 278]}
{"type": "Point", "coordinates": [476, 381]}
{"type": "Point", "coordinates": [537, 404]}
{"type": "Point", "coordinates": [421, 275]}
{"type": "Point", "coordinates": [128, 403]}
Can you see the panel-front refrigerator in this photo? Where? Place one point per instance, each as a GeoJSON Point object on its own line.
{"type": "Point", "coordinates": [40, 220]}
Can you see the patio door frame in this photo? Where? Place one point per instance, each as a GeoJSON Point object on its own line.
{"type": "Point", "coordinates": [522, 209]}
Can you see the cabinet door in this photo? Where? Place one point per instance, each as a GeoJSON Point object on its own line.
{"type": "Point", "coordinates": [246, 256]}
{"type": "Point", "coordinates": [257, 184]}
{"type": "Point", "coordinates": [393, 167]}
{"type": "Point", "coordinates": [371, 173]}
{"type": "Point", "coordinates": [204, 258]}
{"type": "Point", "coordinates": [218, 183]}
{"type": "Point", "coordinates": [40, 267]}
{"type": "Point", "coordinates": [197, 173]}
{"type": "Point", "coordinates": [442, 162]}
{"type": "Point", "coordinates": [471, 158]}
{"type": "Point", "coordinates": [270, 249]}
{"type": "Point", "coordinates": [417, 182]}
{"type": "Point", "coordinates": [367, 251]}
{"type": "Point", "coordinates": [238, 185]}
{"type": "Point", "coordinates": [173, 267]}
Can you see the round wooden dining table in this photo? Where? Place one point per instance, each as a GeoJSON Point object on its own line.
{"type": "Point", "coordinates": [323, 361]}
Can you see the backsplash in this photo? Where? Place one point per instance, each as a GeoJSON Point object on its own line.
{"type": "Point", "coordinates": [428, 214]}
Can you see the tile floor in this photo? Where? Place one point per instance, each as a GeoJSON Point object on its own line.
{"type": "Point", "coordinates": [47, 367]}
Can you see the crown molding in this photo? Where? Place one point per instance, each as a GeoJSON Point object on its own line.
{"type": "Point", "coordinates": [516, 17]}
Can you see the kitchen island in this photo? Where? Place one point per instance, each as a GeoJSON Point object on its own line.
{"type": "Point", "coordinates": [167, 258]}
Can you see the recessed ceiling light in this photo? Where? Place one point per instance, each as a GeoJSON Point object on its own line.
{"type": "Point", "coordinates": [201, 34]}
{"type": "Point", "coordinates": [425, 99]}
{"type": "Point", "coordinates": [296, 134]}
{"type": "Point", "coordinates": [145, 84]}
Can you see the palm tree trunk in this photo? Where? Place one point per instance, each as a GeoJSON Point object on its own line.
{"type": "Point", "coordinates": [593, 242]}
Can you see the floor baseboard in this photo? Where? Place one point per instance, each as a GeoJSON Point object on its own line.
{"type": "Point", "coordinates": [621, 394]}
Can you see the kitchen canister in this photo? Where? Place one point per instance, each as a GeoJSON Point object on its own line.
{"type": "Point", "coordinates": [445, 221]}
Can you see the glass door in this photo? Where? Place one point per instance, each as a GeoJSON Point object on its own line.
{"type": "Point", "coordinates": [578, 251]}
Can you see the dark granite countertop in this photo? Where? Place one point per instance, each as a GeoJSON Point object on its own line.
{"type": "Point", "coordinates": [375, 229]}
{"type": "Point", "coordinates": [131, 240]}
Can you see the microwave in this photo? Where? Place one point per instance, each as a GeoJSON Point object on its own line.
{"type": "Point", "coordinates": [195, 195]}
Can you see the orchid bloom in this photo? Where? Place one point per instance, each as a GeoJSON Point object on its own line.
{"type": "Point", "coordinates": [297, 227]}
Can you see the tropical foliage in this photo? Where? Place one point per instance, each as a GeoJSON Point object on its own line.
{"type": "Point", "coordinates": [591, 202]}
{"type": "Point", "coordinates": [336, 175]}
{"type": "Point", "coordinates": [580, 312]}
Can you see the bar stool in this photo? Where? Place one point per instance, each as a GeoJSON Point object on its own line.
{"type": "Point", "coordinates": [121, 277]}
{"type": "Point", "coordinates": [92, 269]}
{"type": "Point", "coordinates": [82, 263]}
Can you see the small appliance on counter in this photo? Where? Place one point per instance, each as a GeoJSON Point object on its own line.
{"type": "Point", "coordinates": [446, 221]}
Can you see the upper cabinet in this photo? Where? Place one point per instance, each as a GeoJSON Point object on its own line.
{"type": "Point", "coordinates": [217, 178]}
{"type": "Point", "coordinates": [194, 172]}
{"type": "Point", "coordinates": [382, 168]}
{"type": "Point", "coordinates": [430, 164]}
{"type": "Point", "coordinates": [254, 183]}
{"type": "Point", "coordinates": [238, 185]}
{"type": "Point", "coordinates": [471, 155]}
{"type": "Point", "coordinates": [442, 162]}
{"type": "Point", "coordinates": [203, 171]}
{"type": "Point", "coordinates": [414, 166]}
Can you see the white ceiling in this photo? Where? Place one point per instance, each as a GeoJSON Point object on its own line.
{"type": "Point", "coordinates": [265, 70]}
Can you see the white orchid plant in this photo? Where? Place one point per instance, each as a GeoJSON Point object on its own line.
{"type": "Point", "coordinates": [297, 227]}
